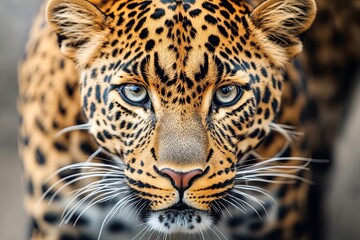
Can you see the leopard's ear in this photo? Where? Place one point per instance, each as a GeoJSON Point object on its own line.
{"type": "Point", "coordinates": [283, 21]}
{"type": "Point", "coordinates": [80, 27]}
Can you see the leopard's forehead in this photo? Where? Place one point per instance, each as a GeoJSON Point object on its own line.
{"type": "Point", "coordinates": [178, 46]}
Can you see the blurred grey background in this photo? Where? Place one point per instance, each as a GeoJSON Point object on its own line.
{"type": "Point", "coordinates": [15, 20]}
{"type": "Point", "coordinates": [342, 193]}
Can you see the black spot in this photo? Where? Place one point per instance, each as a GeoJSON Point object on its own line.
{"type": "Point", "coordinates": [62, 64]}
{"type": "Point", "coordinates": [69, 175]}
{"type": "Point", "coordinates": [60, 147]}
{"type": "Point", "coordinates": [267, 114]}
{"type": "Point", "coordinates": [98, 94]}
{"type": "Point", "coordinates": [107, 134]}
{"type": "Point", "coordinates": [25, 140]}
{"type": "Point", "coordinates": [30, 187]}
{"type": "Point", "coordinates": [114, 43]}
{"type": "Point", "coordinates": [86, 148]}
{"type": "Point", "coordinates": [93, 73]}
{"type": "Point", "coordinates": [225, 14]}
{"type": "Point", "coordinates": [51, 217]}
{"type": "Point", "coordinates": [159, 12]}
{"type": "Point", "coordinates": [255, 133]}
{"type": "Point", "coordinates": [100, 137]}
{"type": "Point", "coordinates": [210, 19]}
{"type": "Point", "coordinates": [115, 52]}
{"type": "Point", "coordinates": [40, 158]}
{"type": "Point", "coordinates": [214, 40]}
{"type": "Point", "coordinates": [211, 152]}
{"type": "Point", "coordinates": [144, 33]}
{"type": "Point", "coordinates": [223, 31]}
{"type": "Point", "coordinates": [116, 227]}
{"type": "Point", "coordinates": [247, 53]}
{"type": "Point", "coordinates": [195, 12]}
{"type": "Point", "coordinates": [159, 30]}
{"type": "Point", "coordinates": [274, 105]}
{"type": "Point", "coordinates": [85, 103]}
{"type": "Point", "coordinates": [39, 125]}
{"type": "Point", "coordinates": [266, 96]}
{"type": "Point", "coordinates": [203, 69]}
{"type": "Point", "coordinates": [159, 70]}
{"type": "Point", "coordinates": [226, 4]}
{"type": "Point", "coordinates": [210, 7]}
{"type": "Point", "coordinates": [34, 224]}
{"type": "Point", "coordinates": [129, 25]}
{"type": "Point", "coordinates": [49, 193]}
{"type": "Point", "coordinates": [69, 89]}
{"type": "Point", "coordinates": [149, 45]}
{"type": "Point", "coordinates": [264, 72]}
{"type": "Point", "coordinates": [92, 110]}
{"type": "Point", "coordinates": [79, 220]}
{"type": "Point", "coordinates": [140, 24]}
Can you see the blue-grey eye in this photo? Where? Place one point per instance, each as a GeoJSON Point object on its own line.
{"type": "Point", "coordinates": [227, 95]}
{"type": "Point", "coordinates": [134, 94]}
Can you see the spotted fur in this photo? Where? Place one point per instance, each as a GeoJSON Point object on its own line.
{"type": "Point", "coordinates": [181, 52]}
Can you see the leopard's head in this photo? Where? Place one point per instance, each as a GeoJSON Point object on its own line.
{"type": "Point", "coordinates": [180, 91]}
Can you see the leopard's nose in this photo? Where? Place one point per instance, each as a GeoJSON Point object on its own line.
{"type": "Point", "coordinates": [181, 180]}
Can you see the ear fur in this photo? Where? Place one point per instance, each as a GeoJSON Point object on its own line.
{"type": "Point", "coordinates": [283, 21]}
{"type": "Point", "coordinates": [79, 25]}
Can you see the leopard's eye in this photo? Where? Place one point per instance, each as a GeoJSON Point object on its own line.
{"type": "Point", "coordinates": [134, 94]}
{"type": "Point", "coordinates": [227, 95]}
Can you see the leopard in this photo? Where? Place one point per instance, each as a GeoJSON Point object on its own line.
{"type": "Point", "coordinates": [166, 118]}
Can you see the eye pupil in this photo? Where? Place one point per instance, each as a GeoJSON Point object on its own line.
{"type": "Point", "coordinates": [135, 89]}
{"type": "Point", "coordinates": [226, 90]}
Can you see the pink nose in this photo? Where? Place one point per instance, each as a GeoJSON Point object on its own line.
{"type": "Point", "coordinates": [181, 180]}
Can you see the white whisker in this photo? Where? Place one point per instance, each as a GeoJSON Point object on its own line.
{"type": "Point", "coordinates": [236, 207]}
{"type": "Point", "coordinates": [225, 208]}
{"type": "Point", "coordinates": [246, 203]}
{"type": "Point", "coordinates": [215, 233]}
{"type": "Point", "coordinates": [85, 126]}
{"type": "Point", "coordinates": [144, 229]}
{"type": "Point", "coordinates": [284, 175]}
{"type": "Point", "coordinates": [92, 156]}
{"type": "Point", "coordinates": [285, 131]}
{"type": "Point", "coordinates": [147, 229]}
{"type": "Point", "coordinates": [256, 189]}
{"type": "Point", "coordinates": [81, 177]}
{"type": "Point", "coordinates": [113, 209]}
{"type": "Point", "coordinates": [220, 232]}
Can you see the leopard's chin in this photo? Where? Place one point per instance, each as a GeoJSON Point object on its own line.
{"type": "Point", "coordinates": [180, 221]}
{"type": "Point", "coordinates": [181, 218]}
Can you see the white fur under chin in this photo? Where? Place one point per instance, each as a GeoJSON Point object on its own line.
{"type": "Point", "coordinates": [181, 223]}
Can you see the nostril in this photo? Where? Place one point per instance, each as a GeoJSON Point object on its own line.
{"type": "Point", "coordinates": [181, 180]}
{"type": "Point", "coordinates": [187, 177]}
{"type": "Point", "coordinates": [174, 176]}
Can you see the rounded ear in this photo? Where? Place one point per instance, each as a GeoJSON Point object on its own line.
{"type": "Point", "coordinates": [283, 21]}
{"type": "Point", "coordinates": [79, 25]}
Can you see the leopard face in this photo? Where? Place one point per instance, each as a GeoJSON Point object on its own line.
{"type": "Point", "coordinates": [180, 91]}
